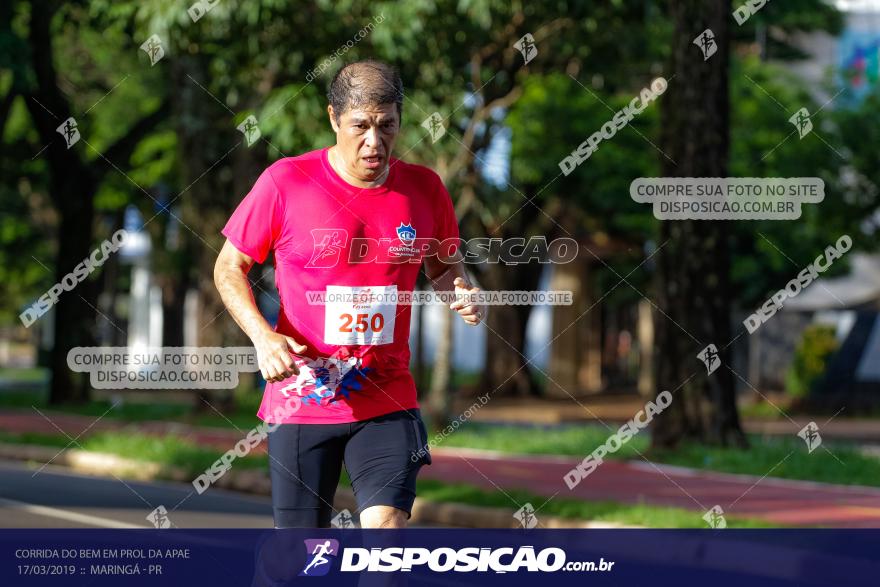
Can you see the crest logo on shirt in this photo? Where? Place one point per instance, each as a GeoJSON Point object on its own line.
{"type": "Point", "coordinates": [406, 233]}
{"type": "Point", "coordinates": [329, 243]}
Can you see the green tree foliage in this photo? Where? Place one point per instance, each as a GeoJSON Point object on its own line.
{"type": "Point", "coordinates": [811, 356]}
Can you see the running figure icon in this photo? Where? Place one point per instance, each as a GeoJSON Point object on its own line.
{"type": "Point", "coordinates": [318, 558]}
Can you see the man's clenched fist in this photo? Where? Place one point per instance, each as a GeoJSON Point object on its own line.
{"type": "Point", "coordinates": [465, 302]}
{"type": "Point", "coordinates": [274, 356]}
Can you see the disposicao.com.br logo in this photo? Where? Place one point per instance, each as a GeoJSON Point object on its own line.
{"type": "Point", "coordinates": [442, 560]}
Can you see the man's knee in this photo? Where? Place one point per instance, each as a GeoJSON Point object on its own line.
{"type": "Point", "coordinates": [383, 516]}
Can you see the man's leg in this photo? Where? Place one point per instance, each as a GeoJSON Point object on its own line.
{"type": "Point", "coordinates": [383, 457]}
{"type": "Point", "coordinates": [305, 461]}
{"type": "Point", "coordinates": [383, 516]}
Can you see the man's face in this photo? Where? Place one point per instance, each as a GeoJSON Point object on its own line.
{"type": "Point", "coordinates": [365, 137]}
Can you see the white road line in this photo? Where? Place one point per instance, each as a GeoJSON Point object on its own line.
{"type": "Point", "coordinates": [42, 510]}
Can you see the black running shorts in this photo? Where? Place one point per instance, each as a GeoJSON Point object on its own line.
{"type": "Point", "coordinates": [382, 456]}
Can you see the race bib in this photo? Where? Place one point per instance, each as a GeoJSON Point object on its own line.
{"type": "Point", "coordinates": [360, 315]}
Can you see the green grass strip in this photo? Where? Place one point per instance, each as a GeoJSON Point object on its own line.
{"type": "Point", "coordinates": [774, 456]}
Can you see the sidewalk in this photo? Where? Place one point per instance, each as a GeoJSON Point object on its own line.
{"type": "Point", "coordinates": [797, 503]}
{"type": "Point", "coordinates": [781, 501]}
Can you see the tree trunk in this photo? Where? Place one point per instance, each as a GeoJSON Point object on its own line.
{"type": "Point", "coordinates": [694, 264]}
{"type": "Point", "coordinates": [438, 394]}
{"type": "Point", "coordinates": [74, 314]}
{"type": "Point", "coordinates": [507, 373]}
{"type": "Point", "coordinates": [173, 295]}
{"type": "Point", "coordinates": [419, 312]}
{"type": "Point", "coordinates": [575, 353]}
{"type": "Point", "coordinates": [72, 188]}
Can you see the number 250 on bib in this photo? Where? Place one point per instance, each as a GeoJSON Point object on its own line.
{"type": "Point", "coordinates": [360, 315]}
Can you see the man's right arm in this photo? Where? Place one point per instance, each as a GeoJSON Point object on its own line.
{"type": "Point", "coordinates": [273, 349]}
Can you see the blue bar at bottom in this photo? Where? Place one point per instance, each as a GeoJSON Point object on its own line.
{"type": "Point", "coordinates": [437, 557]}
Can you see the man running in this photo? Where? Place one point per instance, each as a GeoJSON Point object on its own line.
{"type": "Point", "coordinates": [348, 358]}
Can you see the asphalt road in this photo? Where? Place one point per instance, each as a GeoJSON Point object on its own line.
{"type": "Point", "coordinates": [57, 498]}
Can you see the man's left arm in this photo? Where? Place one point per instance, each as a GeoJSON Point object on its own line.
{"type": "Point", "coordinates": [449, 275]}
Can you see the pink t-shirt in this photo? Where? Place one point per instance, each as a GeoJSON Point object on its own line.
{"type": "Point", "coordinates": [356, 366]}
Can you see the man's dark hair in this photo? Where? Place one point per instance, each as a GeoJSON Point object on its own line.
{"type": "Point", "coordinates": [365, 83]}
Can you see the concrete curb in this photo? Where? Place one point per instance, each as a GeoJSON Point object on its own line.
{"type": "Point", "coordinates": [257, 482]}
